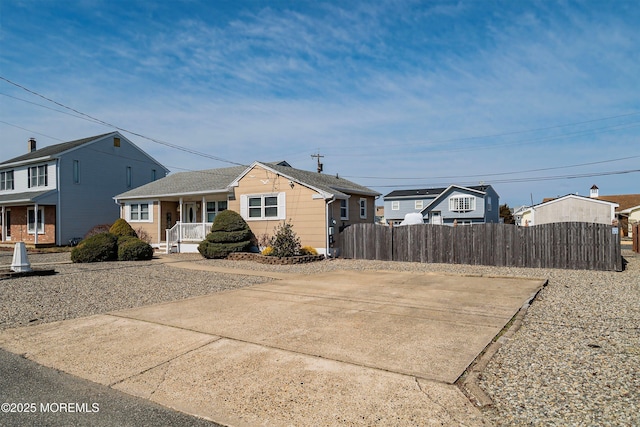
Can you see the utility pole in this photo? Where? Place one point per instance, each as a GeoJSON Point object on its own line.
{"type": "Point", "coordinates": [318, 156]}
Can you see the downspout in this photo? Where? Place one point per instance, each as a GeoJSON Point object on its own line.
{"type": "Point", "coordinates": [327, 225]}
{"type": "Point", "coordinates": [58, 207]}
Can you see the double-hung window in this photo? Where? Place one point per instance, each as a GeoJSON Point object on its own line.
{"type": "Point", "coordinates": [6, 180]}
{"type": "Point", "coordinates": [462, 203]}
{"type": "Point", "coordinates": [363, 208]}
{"type": "Point", "coordinates": [263, 206]}
{"type": "Point", "coordinates": [418, 204]}
{"type": "Point", "coordinates": [395, 205]}
{"type": "Point", "coordinates": [140, 212]}
{"type": "Point", "coordinates": [214, 208]}
{"type": "Point", "coordinates": [344, 209]}
{"type": "Point", "coordinates": [38, 176]}
{"type": "Point", "coordinates": [34, 222]}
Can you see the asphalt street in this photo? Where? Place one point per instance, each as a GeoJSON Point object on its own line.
{"type": "Point", "coordinates": [34, 395]}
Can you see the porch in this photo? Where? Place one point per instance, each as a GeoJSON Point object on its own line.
{"type": "Point", "coordinates": [184, 237]}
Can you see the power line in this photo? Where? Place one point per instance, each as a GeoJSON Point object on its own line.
{"type": "Point", "coordinates": [497, 173]}
{"type": "Point", "coordinates": [157, 141]}
{"type": "Point", "coordinates": [29, 130]}
{"type": "Point", "coordinates": [516, 180]}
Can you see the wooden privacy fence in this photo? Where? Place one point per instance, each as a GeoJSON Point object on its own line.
{"type": "Point", "coordinates": [635, 231]}
{"type": "Point", "coordinates": [570, 245]}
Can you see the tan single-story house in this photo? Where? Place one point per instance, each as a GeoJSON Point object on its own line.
{"type": "Point", "coordinates": [177, 211]}
{"type": "Point", "coordinates": [633, 218]}
{"type": "Point", "coordinates": [628, 210]}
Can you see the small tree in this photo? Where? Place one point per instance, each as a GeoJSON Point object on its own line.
{"type": "Point", "coordinates": [285, 242]}
{"type": "Point", "coordinates": [229, 233]}
{"type": "Point", "coordinates": [505, 213]}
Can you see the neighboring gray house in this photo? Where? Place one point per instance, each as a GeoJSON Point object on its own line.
{"type": "Point", "coordinates": [466, 205]}
{"type": "Point", "coordinates": [53, 194]}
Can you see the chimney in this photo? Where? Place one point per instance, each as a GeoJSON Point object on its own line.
{"type": "Point", "coordinates": [31, 145]}
{"type": "Point", "coordinates": [594, 192]}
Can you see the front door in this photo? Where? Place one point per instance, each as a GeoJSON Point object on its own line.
{"type": "Point", "coordinates": [189, 212]}
{"type": "Point", "coordinates": [435, 218]}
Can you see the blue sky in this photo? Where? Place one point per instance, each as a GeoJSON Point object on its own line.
{"type": "Point", "coordinates": [538, 99]}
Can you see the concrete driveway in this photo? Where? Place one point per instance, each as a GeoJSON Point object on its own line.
{"type": "Point", "coordinates": [340, 348]}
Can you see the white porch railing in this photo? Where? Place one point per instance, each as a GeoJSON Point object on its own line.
{"type": "Point", "coordinates": [185, 231]}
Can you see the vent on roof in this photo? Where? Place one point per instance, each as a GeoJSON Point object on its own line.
{"type": "Point", "coordinates": [31, 145]}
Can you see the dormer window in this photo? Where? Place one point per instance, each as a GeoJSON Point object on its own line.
{"type": "Point", "coordinates": [38, 176]}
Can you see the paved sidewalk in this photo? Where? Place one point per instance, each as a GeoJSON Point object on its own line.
{"type": "Point", "coordinates": [340, 348]}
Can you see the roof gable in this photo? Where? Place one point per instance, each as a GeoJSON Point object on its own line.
{"type": "Point", "coordinates": [574, 196]}
{"type": "Point", "coordinates": [327, 185]}
{"type": "Point", "coordinates": [450, 189]}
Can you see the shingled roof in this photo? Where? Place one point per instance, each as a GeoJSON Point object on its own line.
{"type": "Point", "coordinates": [430, 191]}
{"type": "Point", "coordinates": [53, 150]}
{"type": "Point", "coordinates": [331, 184]}
{"type": "Point", "coordinates": [196, 182]}
{"type": "Point", "coordinates": [218, 180]}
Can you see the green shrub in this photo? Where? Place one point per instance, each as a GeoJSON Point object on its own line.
{"type": "Point", "coordinates": [98, 229]}
{"type": "Point", "coordinates": [133, 249]}
{"type": "Point", "coordinates": [100, 247]}
{"type": "Point", "coordinates": [229, 221]}
{"type": "Point", "coordinates": [285, 242]}
{"type": "Point", "coordinates": [229, 233]}
{"type": "Point", "coordinates": [221, 250]}
{"type": "Point", "coordinates": [230, 236]}
{"type": "Point", "coordinates": [122, 228]}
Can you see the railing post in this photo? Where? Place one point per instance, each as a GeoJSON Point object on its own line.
{"type": "Point", "coordinates": [167, 240]}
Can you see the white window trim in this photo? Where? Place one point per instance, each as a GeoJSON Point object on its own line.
{"type": "Point", "coordinates": [40, 225]}
{"type": "Point", "coordinates": [362, 205]}
{"type": "Point", "coordinates": [5, 181]}
{"type": "Point", "coordinates": [346, 208]}
{"type": "Point", "coordinates": [128, 211]}
{"type": "Point", "coordinates": [37, 177]}
{"type": "Point", "coordinates": [244, 207]}
{"type": "Point", "coordinates": [418, 204]}
{"type": "Point", "coordinates": [456, 204]}
{"type": "Point", "coordinates": [395, 205]}
{"type": "Point", "coordinates": [216, 211]}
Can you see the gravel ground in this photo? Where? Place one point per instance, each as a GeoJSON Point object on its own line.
{"type": "Point", "coordinates": [574, 361]}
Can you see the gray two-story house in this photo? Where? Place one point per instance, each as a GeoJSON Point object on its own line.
{"type": "Point", "coordinates": [454, 204]}
{"type": "Point", "coordinates": [59, 192]}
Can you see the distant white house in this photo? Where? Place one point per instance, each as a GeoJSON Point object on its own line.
{"type": "Point", "coordinates": [569, 208]}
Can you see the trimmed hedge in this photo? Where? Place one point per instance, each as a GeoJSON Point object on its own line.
{"type": "Point", "coordinates": [229, 233]}
{"type": "Point", "coordinates": [109, 247]}
{"type": "Point", "coordinates": [134, 249]}
{"type": "Point", "coordinates": [122, 228]}
{"type": "Point", "coordinates": [97, 248]}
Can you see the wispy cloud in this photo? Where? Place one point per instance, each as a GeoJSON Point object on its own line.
{"type": "Point", "coordinates": [384, 88]}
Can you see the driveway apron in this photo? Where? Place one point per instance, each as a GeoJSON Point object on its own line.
{"type": "Point", "coordinates": [345, 347]}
